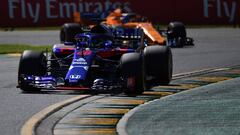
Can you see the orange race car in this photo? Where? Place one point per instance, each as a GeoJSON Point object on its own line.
{"type": "Point", "coordinates": [117, 18]}
{"type": "Point", "coordinates": [174, 36]}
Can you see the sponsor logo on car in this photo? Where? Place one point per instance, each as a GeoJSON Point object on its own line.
{"type": "Point", "coordinates": [80, 61]}
{"type": "Point", "coordinates": [75, 76]}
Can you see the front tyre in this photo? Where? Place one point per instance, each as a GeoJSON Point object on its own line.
{"type": "Point", "coordinates": [132, 69]}
{"type": "Point", "coordinates": [177, 33]}
{"type": "Point", "coordinates": [31, 63]}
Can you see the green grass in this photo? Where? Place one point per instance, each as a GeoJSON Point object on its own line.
{"type": "Point", "coordinates": [19, 48]}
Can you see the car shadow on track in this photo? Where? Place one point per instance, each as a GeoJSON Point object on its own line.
{"type": "Point", "coordinates": [72, 92]}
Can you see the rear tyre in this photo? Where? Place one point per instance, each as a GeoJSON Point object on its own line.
{"type": "Point", "coordinates": [132, 69]}
{"type": "Point", "coordinates": [158, 64]}
{"type": "Point", "coordinates": [69, 31]}
{"type": "Point", "coordinates": [31, 63]}
{"type": "Point", "coordinates": [177, 31]}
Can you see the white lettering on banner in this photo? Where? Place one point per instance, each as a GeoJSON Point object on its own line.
{"type": "Point", "coordinates": [219, 12]}
{"type": "Point", "coordinates": [87, 6]}
{"type": "Point", "coordinates": [69, 9]}
{"type": "Point", "coordinates": [11, 7]}
{"type": "Point", "coordinates": [48, 9]}
{"type": "Point", "coordinates": [34, 15]}
{"type": "Point", "coordinates": [107, 5]}
{"type": "Point", "coordinates": [230, 12]}
{"type": "Point", "coordinates": [55, 9]}
{"type": "Point", "coordinates": [99, 7]}
{"type": "Point", "coordinates": [16, 5]}
{"type": "Point", "coordinates": [223, 9]}
{"type": "Point", "coordinates": [23, 9]}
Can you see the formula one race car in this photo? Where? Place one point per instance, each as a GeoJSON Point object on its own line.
{"type": "Point", "coordinates": [174, 36]}
{"type": "Point", "coordinates": [103, 59]}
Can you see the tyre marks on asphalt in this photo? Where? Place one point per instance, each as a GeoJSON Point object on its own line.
{"type": "Point", "coordinates": [102, 115]}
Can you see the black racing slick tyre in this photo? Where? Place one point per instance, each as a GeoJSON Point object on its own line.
{"type": "Point", "coordinates": [69, 31]}
{"type": "Point", "coordinates": [158, 64]}
{"type": "Point", "coordinates": [178, 29]}
{"type": "Point", "coordinates": [132, 69]}
{"type": "Point", "coordinates": [31, 63]}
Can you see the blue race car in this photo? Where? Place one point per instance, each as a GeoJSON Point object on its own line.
{"type": "Point", "coordinates": [102, 60]}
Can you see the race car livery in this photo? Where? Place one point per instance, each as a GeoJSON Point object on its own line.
{"type": "Point", "coordinates": [102, 59]}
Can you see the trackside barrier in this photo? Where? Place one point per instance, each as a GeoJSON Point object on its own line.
{"type": "Point", "coordinates": [24, 13]}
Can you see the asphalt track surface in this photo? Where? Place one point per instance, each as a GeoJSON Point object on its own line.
{"type": "Point", "coordinates": [214, 48]}
{"type": "Point", "coordinates": [44, 37]}
{"type": "Point", "coordinates": [17, 107]}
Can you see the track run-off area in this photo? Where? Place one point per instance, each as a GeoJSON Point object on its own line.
{"type": "Point", "coordinates": [216, 48]}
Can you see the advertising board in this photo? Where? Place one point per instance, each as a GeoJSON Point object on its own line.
{"type": "Point", "coordinates": [24, 13]}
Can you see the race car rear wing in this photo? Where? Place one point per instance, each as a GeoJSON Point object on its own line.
{"type": "Point", "coordinates": [123, 33]}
